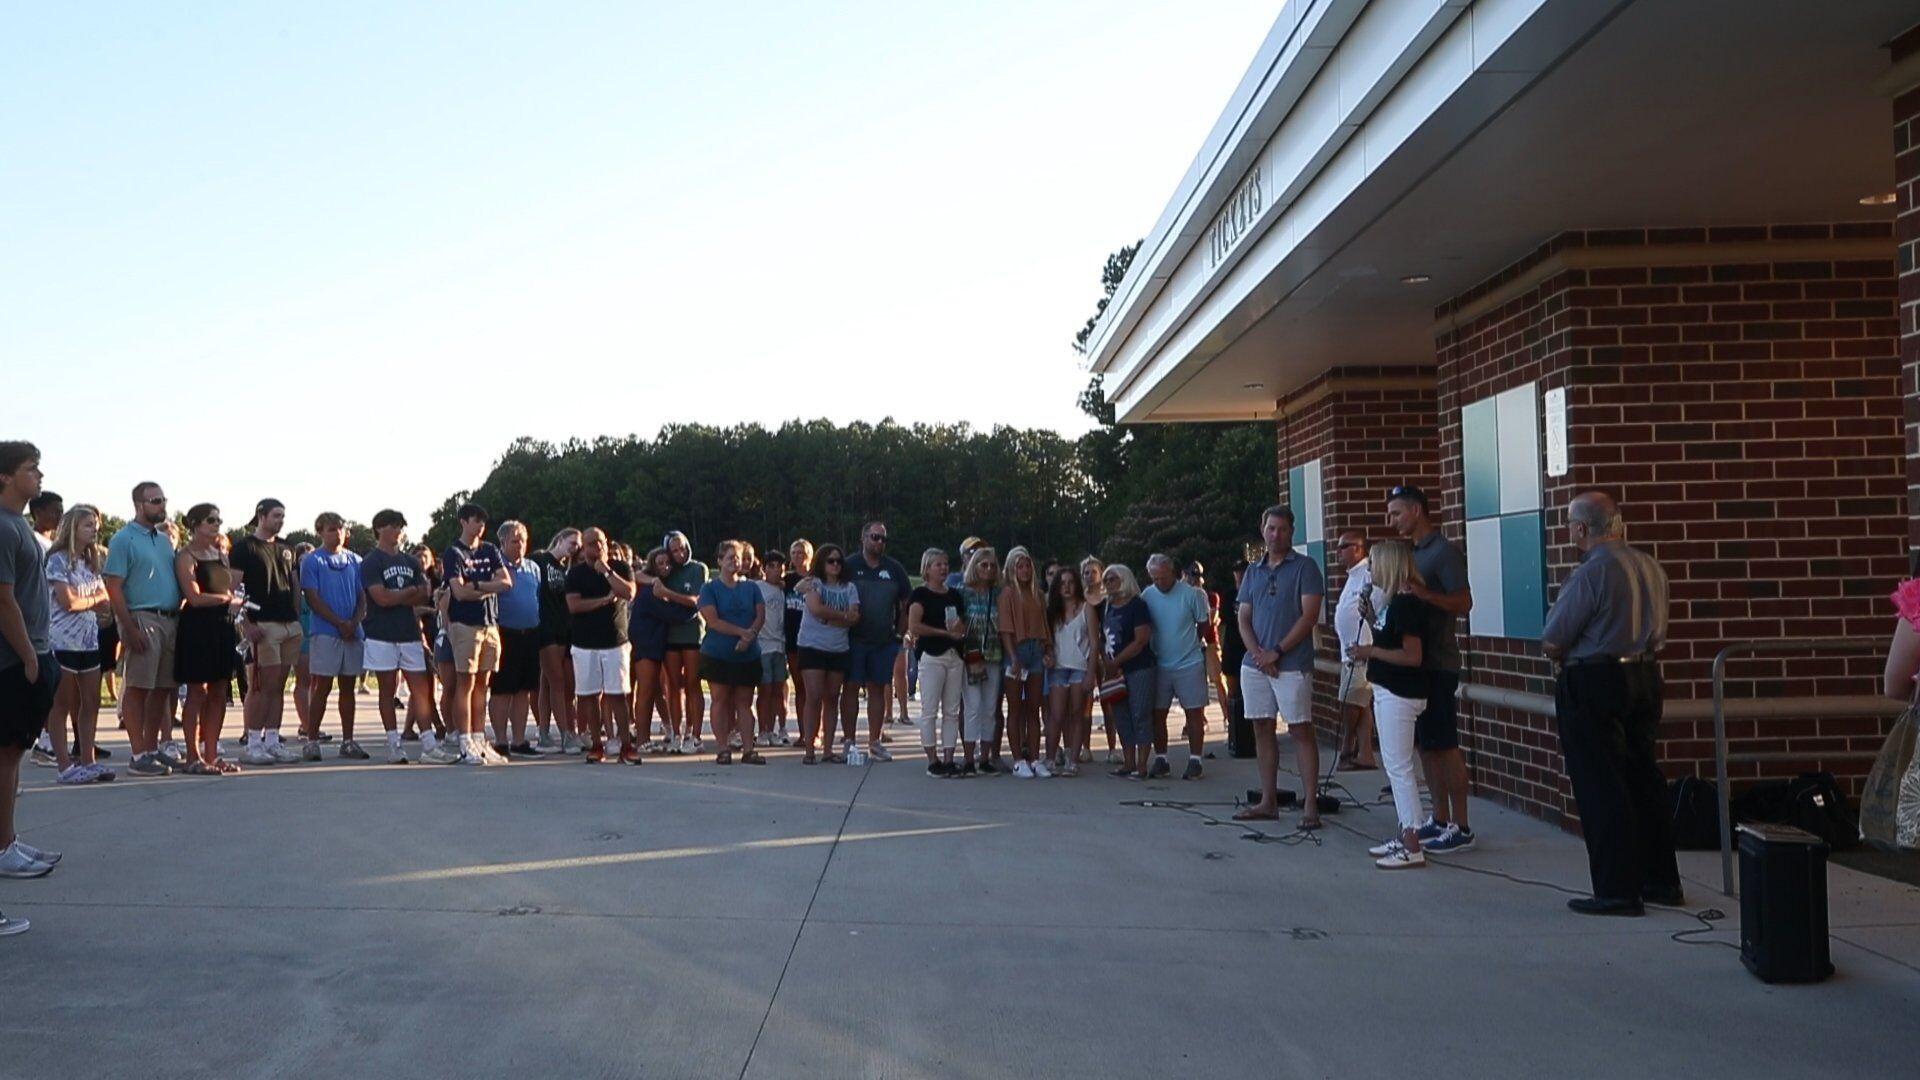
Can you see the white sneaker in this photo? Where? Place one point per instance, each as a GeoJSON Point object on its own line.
{"type": "Point", "coordinates": [51, 858]}
{"type": "Point", "coordinates": [1385, 848]}
{"type": "Point", "coordinates": [441, 754]}
{"type": "Point", "coordinates": [256, 754]}
{"type": "Point", "coordinates": [1022, 770]}
{"type": "Point", "coordinates": [691, 745]}
{"type": "Point", "coordinates": [879, 753]}
{"type": "Point", "coordinates": [1401, 860]}
{"type": "Point", "coordinates": [1041, 772]}
{"type": "Point", "coordinates": [397, 754]}
{"type": "Point", "coordinates": [569, 744]}
{"type": "Point", "coordinates": [284, 754]}
{"type": "Point", "coordinates": [547, 743]}
{"type": "Point", "coordinates": [470, 756]}
{"type": "Point", "coordinates": [490, 756]}
{"type": "Point", "coordinates": [16, 863]}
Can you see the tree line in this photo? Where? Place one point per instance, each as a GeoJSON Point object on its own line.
{"type": "Point", "coordinates": [1190, 490]}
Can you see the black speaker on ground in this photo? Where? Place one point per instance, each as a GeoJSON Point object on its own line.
{"type": "Point", "coordinates": [1783, 904]}
{"type": "Point", "coordinates": [1239, 731]}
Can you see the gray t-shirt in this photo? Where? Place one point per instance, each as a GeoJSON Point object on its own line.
{"type": "Point", "coordinates": [1275, 594]}
{"type": "Point", "coordinates": [23, 565]}
{"type": "Point", "coordinates": [1444, 567]}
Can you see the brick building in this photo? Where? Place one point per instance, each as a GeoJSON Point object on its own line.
{"type": "Point", "coordinates": [1511, 249]}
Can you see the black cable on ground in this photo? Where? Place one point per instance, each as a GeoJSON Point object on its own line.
{"type": "Point", "coordinates": [1706, 917]}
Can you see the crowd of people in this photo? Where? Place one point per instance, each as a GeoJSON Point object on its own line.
{"type": "Point", "coordinates": [493, 649]}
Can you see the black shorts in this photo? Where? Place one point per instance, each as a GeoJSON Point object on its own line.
{"type": "Point", "coordinates": [1438, 727]}
{"type": "Point", "coordinates": [730, 672]}
{"type": "Point", "coordinates": [555, 635]}
{"type": "Point", "coordinates": [109, 644]}
{"type": "Point", "coordinates": [683, 646]}
{"type": "Point", "coordinates": [78, 660]}
{"type": "Point", "coordinates": [806, 659]}
{"type": "Point", "coordinates": [24, 706]}
{"type": "Point", "coordinates": [519, 662]}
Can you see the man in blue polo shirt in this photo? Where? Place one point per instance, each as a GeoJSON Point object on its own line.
{"type": "Point", "coordinates": [1179, 611]}
{"type": "Point", "coordinates": [883, 587]}
{"type": "Point", "coordinates": [1279, 603]}
{"type": "Point", "coordinates": [145, 594]}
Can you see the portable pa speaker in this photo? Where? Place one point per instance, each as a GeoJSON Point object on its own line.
{"type": "Point", "coordinates": [1783, 904]}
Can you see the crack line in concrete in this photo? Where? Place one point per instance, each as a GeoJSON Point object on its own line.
{"type": "Point", "coordinates": [825, 865]}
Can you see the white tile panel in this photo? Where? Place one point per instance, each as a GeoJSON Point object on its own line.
{"type": "Point", "coordinates": [1518, 421]}
{"type": "Point", "coordinates": [1489, 615]}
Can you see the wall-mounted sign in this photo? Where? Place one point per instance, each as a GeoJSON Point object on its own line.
{"type": "Point", "coordinates": [1237, 217]}
{"type": "Point", "coordinates": [1556, 409]}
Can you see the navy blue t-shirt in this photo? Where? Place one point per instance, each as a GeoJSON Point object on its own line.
{"type": "Point", "coordinates": [1120, 623]}
{"type": "Point", "coordinates": [473, 566]}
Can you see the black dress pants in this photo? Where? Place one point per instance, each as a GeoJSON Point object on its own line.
{"type": "Point", "coordinates": [1609, 718]}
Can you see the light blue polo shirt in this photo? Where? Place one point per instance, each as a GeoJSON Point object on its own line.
{"type": "Point", "coordinates": [1177, 615]}
{"type": "Point", "coordinates": [142, 558]}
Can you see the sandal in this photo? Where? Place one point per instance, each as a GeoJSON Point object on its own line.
{"type": "Point", "coordinates": [809, 759]}
{"type": "Point", "coordinates": [1309, 825]}
{"type": "Point", "coordinates": [1249, 815]}
{"type": "Point", "coordinates": [834, 759]}
{"type": "Point", "coordinates": [199, 768]}
{"type": "Point", "coordinates": [226, 767]}
{"type": "Point", "coordinates": [752, 757]}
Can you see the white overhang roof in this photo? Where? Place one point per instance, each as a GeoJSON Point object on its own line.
{"type": "Point", "coordinates": [1370, 141]}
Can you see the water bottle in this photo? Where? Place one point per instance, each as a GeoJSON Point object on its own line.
{"type": "Point", "coordinates": [855, 755]}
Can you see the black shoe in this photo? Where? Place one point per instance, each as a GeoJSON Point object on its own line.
{"type": "Point", "coordinates": [1594, 905]}
{"type": "Point", "coordinates": [521, 749]}
{"type": "Point", "coordinates": [98, 751]}
{"type": "Point", "coordinates": [501, 748]}
{"type": "Point", "coordinates": [1674, 897]}
{"type": "Point", "coordinates": [937, 768]}
{"type": "Point", "coordinates": [965, 770]}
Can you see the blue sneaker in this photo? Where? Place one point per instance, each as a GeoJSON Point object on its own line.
{"type": "Point", "coordinates": [1430, 831]}
{"type": "Point", "coordinates": [1454, 839]}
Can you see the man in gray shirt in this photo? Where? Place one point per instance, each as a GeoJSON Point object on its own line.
{"type": "Point", "coordinates": [1606, 628]}
{"type": "Point", "coordinates": [28, 673]}
{"type": "Point", "coordinates": [1437, 732]}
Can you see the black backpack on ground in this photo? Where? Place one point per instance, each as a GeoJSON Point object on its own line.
{"type": "Point", "coordinates": [1811, 801]}
{"type": "Point", "coordinates": [1694, 806]}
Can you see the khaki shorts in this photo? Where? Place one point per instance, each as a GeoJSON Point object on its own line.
{"type": "Point", "coordinates": [476, 649]}
{"type": "Point", "coordinates": [279, 644]}
{"type": "Point", "coordinates": [153, 669]}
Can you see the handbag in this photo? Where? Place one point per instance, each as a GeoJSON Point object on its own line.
{"type": "Point", "coordinates": [1890, 801]}
{"type": "Point", "coordinates": [1114, 691]}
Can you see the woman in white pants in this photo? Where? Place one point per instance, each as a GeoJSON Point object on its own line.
{"type": "Point", "coordinates": [980, 652]}
{"type": "Point", "coordinates": [1399, 691]}
{"type": "Point", "coordinates": [936, 620]}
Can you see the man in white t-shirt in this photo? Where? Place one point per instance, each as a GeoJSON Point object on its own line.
{"type": "Point", "coordinates": [1353, 621]}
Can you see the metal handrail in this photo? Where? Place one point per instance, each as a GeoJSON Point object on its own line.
{"type": "Point", "coordinates": [1775, 647]}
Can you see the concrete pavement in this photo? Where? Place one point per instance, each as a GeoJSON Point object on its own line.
{"type": "Point", "coordinates": [685, 919]}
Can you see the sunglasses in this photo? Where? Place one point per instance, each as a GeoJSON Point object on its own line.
{"type": "Point", "coordinates": [831, 560]}
{"type": "Point", "coordinates": [213, 521]}
{"type": "Point", "coordinates": [161, 501]}
{"type": "Point", "coordinates": [878, 538]}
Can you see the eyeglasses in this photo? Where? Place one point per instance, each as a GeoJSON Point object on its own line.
{"type": "Point", "coordinates": [831, 560]}
{"type": "Point", "coordinates": [1348, 544]}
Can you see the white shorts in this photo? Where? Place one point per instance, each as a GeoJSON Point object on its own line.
{"type": "Point", "coordinates": [602, 671]}
{"type": "Point", "coordinates": [329, 657]}
{"type": "Point", "coordinates": [395, 655]}
{"type": "Point", "coordinates": [1287, 698]}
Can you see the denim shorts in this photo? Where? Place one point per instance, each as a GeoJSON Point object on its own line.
{"type": "Point", "coordinates": [872, 663]}
{"type": "Point", "coordinates": [773, 667]}
{"type": "Point", "coordinates": [1061, 676]}
{"type": "Point", "coordinates": [1032, 655]}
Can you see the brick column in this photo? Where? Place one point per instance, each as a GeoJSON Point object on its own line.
{"type": "Point", "coordinates": [1738, 389]}
{"type": "Point", "coordinates": [1369, 428]}
{"type": "Point", "coordinates": [1906, 177]}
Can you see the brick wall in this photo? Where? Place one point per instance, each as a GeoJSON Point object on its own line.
{"type": "Point", "coordinates": [1906, 175]}
{"type": "Point", "coordinates": [1370, 428]}
{"type": "Point", "coordinates": [1748, 416]}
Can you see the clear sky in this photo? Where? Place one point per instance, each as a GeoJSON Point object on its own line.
{"type": "Point", "coordinates": [343, 254]}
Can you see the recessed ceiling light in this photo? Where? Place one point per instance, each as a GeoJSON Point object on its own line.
{"type": "Point", "coordinates": [1253, 386]}
{"type": "Point", "coordinates": [1885, 198]}
{"type": "Point", "coordinates": [1416, 279]}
